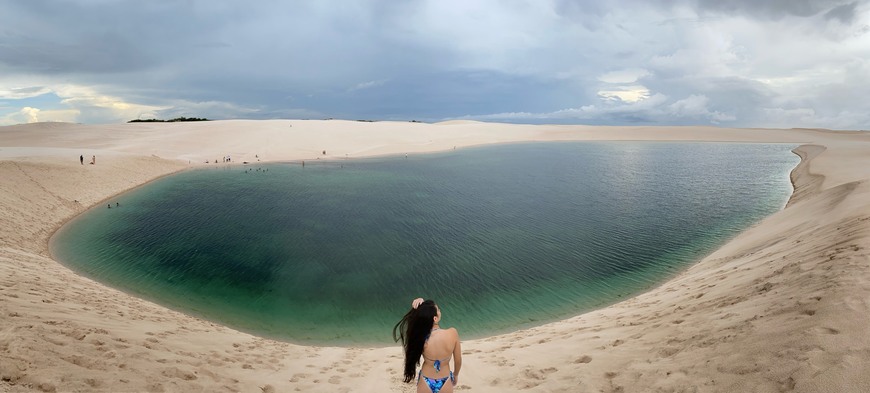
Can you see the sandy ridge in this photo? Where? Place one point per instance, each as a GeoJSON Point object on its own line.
{"type": "Point", "coordinates": [782, 307]}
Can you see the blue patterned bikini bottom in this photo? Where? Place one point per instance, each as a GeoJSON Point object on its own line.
{"type": "Point", "coordinates": [435, 384]}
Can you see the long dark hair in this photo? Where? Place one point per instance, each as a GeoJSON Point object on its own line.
{"type": "Point", "coordinates": [413, 329]}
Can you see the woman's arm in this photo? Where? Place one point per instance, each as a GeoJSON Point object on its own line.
{"type": "Point", "coordinates": [457, 357]}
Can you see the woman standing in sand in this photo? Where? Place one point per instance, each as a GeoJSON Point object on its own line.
{"type": "Point", "coordinates": [422, 336]}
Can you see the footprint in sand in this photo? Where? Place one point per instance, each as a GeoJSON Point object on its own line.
{"type": "Point", "coordinates": [94, 383]}
{"type": "Point", "coordinates": [826, 330]}
{"type": "Point", "coordinates": [175, 372]}
{"type": "Point", "coordinates": [297, 377]}
{"type": "Point", "coordinates": [538, 375]}
{"type": "Point", "coordinates": [268, 389]}
{"type": "Point", "coordinates": [668, 351]}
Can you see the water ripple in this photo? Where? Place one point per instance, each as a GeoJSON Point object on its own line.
{"type": "Point", "coordinates": [502, 237]}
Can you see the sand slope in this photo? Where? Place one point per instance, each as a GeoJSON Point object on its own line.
{"type": "Point", "coordinates": [782, 307]}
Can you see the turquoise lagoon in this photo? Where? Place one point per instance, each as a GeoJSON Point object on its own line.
{"type": "Point", "coordinates": [502, 237]}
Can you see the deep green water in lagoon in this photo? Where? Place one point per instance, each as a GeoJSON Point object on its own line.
{"type": "Point", "coordinates": [502, 237]}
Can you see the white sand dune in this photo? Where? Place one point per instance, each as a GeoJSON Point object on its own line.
{"type": "Point", "coordinates": [784, 306]}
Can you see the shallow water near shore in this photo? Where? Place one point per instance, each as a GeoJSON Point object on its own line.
{"type": "Point", "coordinates": [502, 237]}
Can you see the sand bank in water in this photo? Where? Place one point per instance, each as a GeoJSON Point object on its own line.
{"type": "Point", "coordinates": [782, 307]}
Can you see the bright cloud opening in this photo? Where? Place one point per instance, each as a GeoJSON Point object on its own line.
{"type": "Point", "coordinates": [34, 115]}
{"type": "Point", "coordinates": [629, 94]}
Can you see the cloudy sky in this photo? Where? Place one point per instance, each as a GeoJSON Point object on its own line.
{"type": "Point", "coordinates": [746, 63]}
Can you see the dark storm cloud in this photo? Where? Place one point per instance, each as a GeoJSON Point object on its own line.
{"type": "Point", "coordinates": [731, 62]}
{"type": "Point", "coordinates": [88, 37]}
{"type": "Point", "coordinates": [844, 13]}
{"type": "Point", "coordinates": [778, 9]}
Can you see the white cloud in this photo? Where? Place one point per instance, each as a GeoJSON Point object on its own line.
{"type": "Point", "coordinates": [34, 115]}
{"type": "Point", "coordinates": [695, 107]}
{"type": "Point", "coordinates": [618, 85]}
{"type": "Point", "coordinates": [368, 85]}
{"type": "Point", "coordinates": [69, 103]}
{"type": "Point", "coordinates": [780, 115]}
{"type": "Point", "coordinates": [17, 93]}
{"type": "Point", "coordinates": [93, 104]}
{"type": "Point", "coordinates": [656, 108]}
{"type": "Point", "coordinates": [628, 75]}
{"type": "Point", "coordinates": [31, 115]}
{"type": "Point", "coordinates": [648, 107]}
{"type": "Point", "coordinates": [707, 50]}
{"type": "Point", "coordinates": [691, 106]}
{"type": "Point", "coordinates": [220, 109]}
{"type": "Point", "coordinates": [810, 118]}
{"type": "Point", "coordinates": [629, 94]}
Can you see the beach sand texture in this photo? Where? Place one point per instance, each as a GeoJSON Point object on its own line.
{"type": "Point", "coordinates": [784, 306]}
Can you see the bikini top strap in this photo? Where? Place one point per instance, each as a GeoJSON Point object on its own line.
{"type": "Point", "coordinates": [430, 334]}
